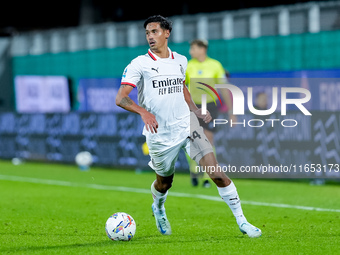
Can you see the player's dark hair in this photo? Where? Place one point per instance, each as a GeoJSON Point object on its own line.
{"type": "Point", "coordinates": [200, 43]}
{"type": "Point", "coordinates": [164, 23]}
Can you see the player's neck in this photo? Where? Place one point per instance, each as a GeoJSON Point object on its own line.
{"type": "Point", "coordinates": [201, 58]}
{"type": "Point", "coordinates": [162, 52]}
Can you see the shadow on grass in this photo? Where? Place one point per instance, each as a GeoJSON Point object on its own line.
{"type": "Point", "coordinates": [63, 247]}
{"type": "Point", "coordinates": [136, 242]}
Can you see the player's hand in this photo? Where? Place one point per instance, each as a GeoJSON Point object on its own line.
{"type": "Point", "coordinates": [150, 122]}
{"type": "Point", "coordinates": [206, 118]}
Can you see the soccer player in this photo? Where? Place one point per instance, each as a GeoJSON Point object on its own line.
{"type": "Point", "coordinates": [168, 112]}
{"type": "Point", "coordinates": [202, 66]}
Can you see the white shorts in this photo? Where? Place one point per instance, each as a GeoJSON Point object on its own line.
{"type": "Point", "coordinates": [164, 155]}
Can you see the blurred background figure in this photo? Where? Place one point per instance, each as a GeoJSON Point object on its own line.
{"type": "Point", "coordinates": [203, 67]}
{"type": "Point", "coordinates": [261, 101]}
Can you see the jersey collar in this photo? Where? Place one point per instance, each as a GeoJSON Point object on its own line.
{"type": "Point", "coordinates": [155, 57]}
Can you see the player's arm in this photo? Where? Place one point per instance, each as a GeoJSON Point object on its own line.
{"type": "Point", "coordinates": [229, 102]}
{"type": "Point", "coordinates": [187, 96]}
{"type": "Point", "coordinates": [123, 100]}
{"type": "Point", "coordinates": [225, 92]}
{"type": "Point", "coordinates": [193, 107]}
{"type": "Point", "coordinates": [226, 95]}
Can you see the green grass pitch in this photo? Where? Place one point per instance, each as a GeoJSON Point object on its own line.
{"type": "Point", "coordinates": [57, 209]}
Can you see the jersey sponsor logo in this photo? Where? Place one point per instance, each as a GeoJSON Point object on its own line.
{"type": "Point", "coordinates": [168, 86]}
{"type": "Point", "coordinates": [167, 82]}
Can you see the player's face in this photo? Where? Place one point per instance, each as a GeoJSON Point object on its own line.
{"type": "Point", "coordinates": [261, 101]}
{"type": "Point", "coordinates": [196, 51]}
{"type": "Point", "coordinates": [156, 36]}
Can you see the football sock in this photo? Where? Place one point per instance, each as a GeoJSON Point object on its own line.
{"type": "Point", "coordinates": [158, 198]}
{"type": "Point", "coordinates": [230, 196]}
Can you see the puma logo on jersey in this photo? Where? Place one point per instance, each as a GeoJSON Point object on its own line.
{"type": "Point", "coordinates": [155, 69]}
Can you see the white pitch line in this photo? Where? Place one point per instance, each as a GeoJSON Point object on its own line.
{"type": "Point", "coordinates": [147, 191]}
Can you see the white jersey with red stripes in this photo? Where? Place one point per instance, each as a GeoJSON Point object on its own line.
{"type": "Point", "coordinates": [160, 90]}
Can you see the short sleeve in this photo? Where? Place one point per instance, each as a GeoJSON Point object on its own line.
{"type": "Point", "coordinates": [132, 74]}
{"type": "Point", "coordinates": [185, 68]}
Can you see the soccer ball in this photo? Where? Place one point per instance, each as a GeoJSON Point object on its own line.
{"type": "Point", "coordinates": [120, 227]}
{"type": "Point", "coordinates": [84, 159]}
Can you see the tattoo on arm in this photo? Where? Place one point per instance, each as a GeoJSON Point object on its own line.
{"type": "Point", "coordinates": [126, 101]}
